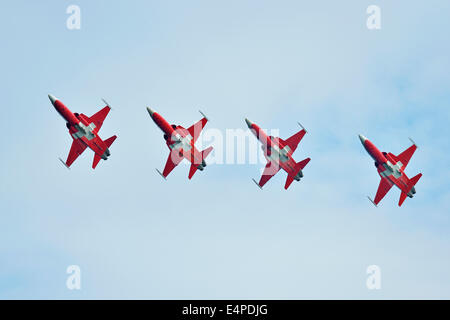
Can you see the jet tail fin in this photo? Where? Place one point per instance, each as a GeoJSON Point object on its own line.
{"type": "Point", "coordinates": [192, 170]}
{"type": "Point", "coordinates": [206, 152]}
{"type": "Point", "coordinates": [110, 141]}
{"type": "Point", "coordinates": [64, 163]}
{"type": "Point", "coordinates": [289, 180]}
{"type": "Point", "coordinates": [302, 164]}
{"type": "Point", "coordinates": [195, 166]}
{"type": "Point", "coordinates": [298, 167]}
{"type": "Point", "coordinates": [412, 182]}
{"type": "Point", "coordinates": [97, 159]}
{"type": "Point", "coordinates": [403, 196]}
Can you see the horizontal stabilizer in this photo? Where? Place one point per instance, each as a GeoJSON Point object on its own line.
{"type": "Point", "coordinates": [289, 180]}
{"type": "Point", "coordinates": [302, 164]}
{"type": "Point", "coordinates": [206, 152]}
{"type": "Point", "coordinates": [110, 141]}
{"type": "Point", "coordinates": [298, 167]}
{"type": "Point", "coordinates": [402, 198]}
{"type": "Point", "coordinates": [192, 170]}
{"type": "Point", "coordinates": [97, 159]}
{"type": "Point", "coordinates": [413, 181]}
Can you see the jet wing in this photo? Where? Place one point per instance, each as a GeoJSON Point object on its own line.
{"type": "Point", "coordinates": [406, 155]}
{"type": "Point", "coordinates": [383, 189]}
{"type": "Point", "coordinates": [172, 161]}
{"type": "Point", "coordinates": [197, 128]}
{"type": "Point", "coordinates": [294, 140]}
{"type": "Point", "coordinates": [76, 149]}
{"type": "Point", "coordinates": [270, 170]}
{"type": "Point", "coordinates": [99, 117]}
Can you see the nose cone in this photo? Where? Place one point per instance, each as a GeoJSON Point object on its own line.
{"type": "Point", "coordinates": [249, 123]}
{"type": "Point", "coordinates": [363, 139]}
{"type": "Point", "coordinates": [52, 98]}
{"type": "Point", "coordinates": [150, 111]}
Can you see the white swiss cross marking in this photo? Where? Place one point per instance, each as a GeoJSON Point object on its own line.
{"type": "Point", "coordinates": [393, 170]}
{"type": "Point", "coordinates": [84, 131]}
{"type": "Point", "coordinates": [277, 155]}
{"type": "Point", "coordinates": [184, 143]}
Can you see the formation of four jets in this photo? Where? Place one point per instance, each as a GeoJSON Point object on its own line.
{"type": "Point", "coordinates": [278, 152]}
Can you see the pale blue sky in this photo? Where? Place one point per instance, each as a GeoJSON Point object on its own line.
{"type": "Point", "coordinates": [219, 236]}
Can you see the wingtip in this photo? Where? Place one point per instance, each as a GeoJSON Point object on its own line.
{"type": "Point", "coordinates": [204, 116]}
{"type": "Point", "coordinates": [412, 141]}
{"type": "Point", "coordinates": [161, 174]}
{"type": "Point", "coordinates": [64, 163]}
{"type": "Point", "coordinates": [257, 184]}
{"type": "Point", "coordinates": [106, 102]}
{"type": "Point", "coordinates": [402, 199]}
{"type": "Point", "coordinates": [373, 202]}
{"type": "Point", "coordinates": [302, 127]}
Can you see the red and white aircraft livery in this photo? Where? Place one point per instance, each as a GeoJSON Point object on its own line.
{"type": "Point", "coordinates": [278, 153]}
{"type": "Point", "coordinates": [84, 131]}
{"type": "Point", "coordinates": [181, 143]}
{"type": "Point", "coordinates": [391, 170]}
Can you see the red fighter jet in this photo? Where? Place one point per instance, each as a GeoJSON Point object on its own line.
{"type": "Point", "coordinates": [181, 143]}
{"type": "Point", "coordinates": [84, 131]}
{"type": "Point", "coordinates": [391, 170]}
{"type": "Point", "coordinates": [278, 153]}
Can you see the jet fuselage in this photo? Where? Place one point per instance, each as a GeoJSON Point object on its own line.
{"type": "Point", "coordinates": [178, 139]}
{"type": "Point", "coordinates": [388, 168]}
{"type": "Point", "coordinates": [80, 128]}
{"type": "Point", "coordinates": [275, 151]}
